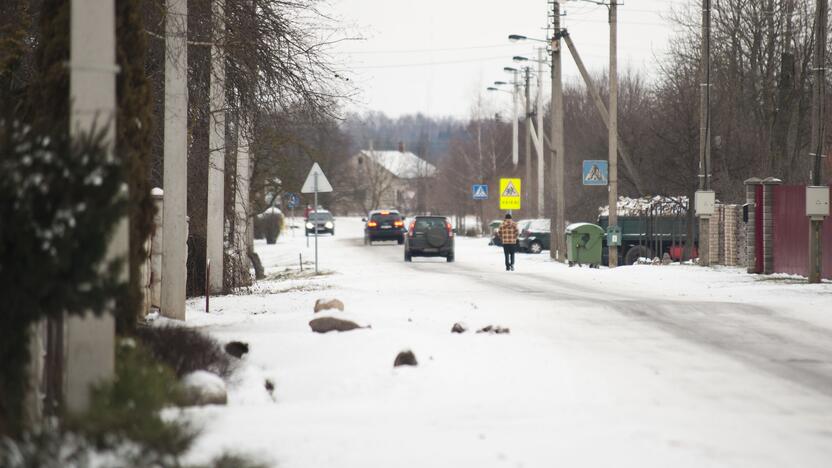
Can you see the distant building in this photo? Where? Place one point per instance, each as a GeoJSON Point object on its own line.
{"type": "Point", "coordinates": [390, 179]}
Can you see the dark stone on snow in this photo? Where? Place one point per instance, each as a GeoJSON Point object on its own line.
{"type": "Point", "coordinates": [236, 348]}
{"type": "Point", "coordinates": [405, 358]}
{"type": "Point", "coordinates": [494, 330]}
{"type": "Point", "coordinates": [459, 328]}
{"type": "Point", "coordinates": [328, 324]}
{"type": "Point", "coordinates": [269, 387]}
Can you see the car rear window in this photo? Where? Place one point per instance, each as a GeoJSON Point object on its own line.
{"type": "Point", "coordinates": [427, 223]}
{"type": "Point", "coordinates": [320, 216]}
{"type": "Point", "coordinates": [540, 225]}
{"type": "Point", "coordinates": [386, 218]}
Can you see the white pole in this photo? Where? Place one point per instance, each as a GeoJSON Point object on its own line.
{"type": "Point", "coordinates": [89, 341]}
{"type": "Point", "coordinates": [315, 221]}
{"type": "Point", "coordinates": [541, 165]}
{"type": "Point", "coordinates": [174, 224]}
{"type": "Point", "coordinates": [216, 163]}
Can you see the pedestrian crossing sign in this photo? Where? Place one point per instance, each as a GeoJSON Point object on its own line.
{"type": "Point", "coordinates": [596, 172]}
{"type": "Point", "coordinates": [480, 191]}
{"type": "Point", "coordinates": [510, 194]}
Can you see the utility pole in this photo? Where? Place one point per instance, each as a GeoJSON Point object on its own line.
{"type": "Point", "coordinates": [527, 121]}
{"type": "Point", "coordinates": [541, 166]}
{"type": "Point", "coordinates": [705, 136]}
{"type": "Point", "coordinates": [216, 162]}
{"type": "Point", "coordinates": [515, 147]}
{"type": "Point", "coordinates": [613, 129]}
{"type": "Point", "coordinates": [558, 207]}
{"type": "Point", "coordinates": [175, 177]}
{"type": "Point", "coordinates": [818, 137]}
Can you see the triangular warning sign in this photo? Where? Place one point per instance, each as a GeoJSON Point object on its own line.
{"type": "Point", "coordinates": [480, 192]}
{"type": "Point", "coordinates": [595, 175]}
{"type": "Point", "coordinates": [510, 190]}
{"type": "Point", "coordinates": [316, 181]}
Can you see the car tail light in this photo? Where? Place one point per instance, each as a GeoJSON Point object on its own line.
{"type": "Point", "coordinates": [450, 229]}
{"type": "Point", "coordinates": [398, 224]}
{"type": "Point", "coordinates": [372, 224]}
{"type": "Point", "coordinates": [412, 228]}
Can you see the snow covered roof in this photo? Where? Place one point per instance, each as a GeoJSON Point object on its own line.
{"type": "Point", "coordinates": [658, 205]}
{"type": "Point", "coordinates": [404, 165]}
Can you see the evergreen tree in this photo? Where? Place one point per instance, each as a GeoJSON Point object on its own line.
{"type": "Point", "coordinates": [133, 144]}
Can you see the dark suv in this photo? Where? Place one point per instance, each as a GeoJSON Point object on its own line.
{"type": "Point", "coordinates": [323, 220]}
{"type": "Point", "coordinates": [534, 235]}
{"type": "Point", "coordinates": [384, 225]}
{"type": "Point", "coordinates": [429, 236]}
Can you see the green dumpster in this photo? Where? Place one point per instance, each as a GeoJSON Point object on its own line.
{"type": "Point", "coordinates": [584, 244]}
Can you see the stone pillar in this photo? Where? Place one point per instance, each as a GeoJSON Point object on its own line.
{"type": "Point", "coordinates": [751, 226]}
{"type": "Point", "coordinates": [768, 224]}
{"type": "Point", "coordinates": [156, 250]}
{"type": "Point", "coordinates": [175, 182]}
{"type": "Point", "coordinates": [216, 164]}
{"type": "Point", "coordinates": [89, 341]}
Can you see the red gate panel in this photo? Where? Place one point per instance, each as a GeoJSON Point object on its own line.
{"type": "Point", "coordinates": [791, 232]}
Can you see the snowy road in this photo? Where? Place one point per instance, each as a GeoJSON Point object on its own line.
{"type": "Point", "coordinates": [637, 366]}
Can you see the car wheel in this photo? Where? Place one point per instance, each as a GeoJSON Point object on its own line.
{"type": "Point", "coordinates": [408, 257]}
{"type": "Point", "coordinates": [450, 258]}
{"type": "Point", "coordinates": [637, 252]}
{"type": "Point", "coordinates": [535, 247]}
{"type": "Point", "coordinates": [332, 232]}
{"type": "Point", "coordinates": [401, 241]}
{"type": "Point", "coordinates": [366, 240]}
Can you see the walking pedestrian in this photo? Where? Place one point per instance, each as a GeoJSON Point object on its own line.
{"type": "Point", "coordinates": [508, 235]}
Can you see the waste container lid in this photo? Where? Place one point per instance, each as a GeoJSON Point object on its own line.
{"type": "Point", "coordinates": [584, 227]}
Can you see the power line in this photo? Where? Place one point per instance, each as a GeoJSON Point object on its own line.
{"type": "Point", "coordinates": [444, 49]}
{"type": "Point", "coordinates": [426, 64]}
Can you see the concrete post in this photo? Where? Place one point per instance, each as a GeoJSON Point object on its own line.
{"type": "Point", "coordinates": [751, 226]}
{"type": "Point", "coordinates": [216, 163]}
{"type": "Point", "coordinates": [175, 181]}
{"type": "Point", "coordinates": [241, 203]}
{"type": "Point", "coordinates": [89, 341]}
{"type": "Point", "coordinates": [156, 250]}
{"type": "Point", "coordinates": [768, 224]}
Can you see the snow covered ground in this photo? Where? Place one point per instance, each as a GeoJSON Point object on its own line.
{"type": "Point", "coordinates": [638, 366]}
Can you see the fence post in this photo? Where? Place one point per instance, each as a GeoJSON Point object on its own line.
{"type": "Point", "coordinates": [751, 226]}
{"type": "Point", "coordinates": [768, 223]}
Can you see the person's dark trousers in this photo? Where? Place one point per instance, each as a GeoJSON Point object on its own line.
{"type": "Point", "coordinates": [508, 251]}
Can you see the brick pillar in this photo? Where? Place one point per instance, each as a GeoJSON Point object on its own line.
{"type": "Point", "coordinates": [713, 236]}
{"type": "Point", "coordinates": [751, 226]}
{"type": "Point", "coordinates": [768, 223]}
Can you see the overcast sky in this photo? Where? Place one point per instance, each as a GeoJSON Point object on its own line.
{"type": "Point", "coordinates": [436, 56]}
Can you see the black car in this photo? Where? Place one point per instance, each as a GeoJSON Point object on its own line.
{"type": "Point", "coordinates": [534, 235]}
{"type": "Point", "coordinates": [429, 236]}
{"type": "Point", "coordinates": [323, 219]}
{"type": "Point", "coordinates": [384, 225]}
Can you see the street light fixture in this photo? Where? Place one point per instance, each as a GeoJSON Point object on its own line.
{"type": "Point", "coordinates": [509, 69]}
{"type": "Point", "coordinates": [500, 83]}
{"type": "Point", "coordinates": [520, 37]}
{"type": "Point", "coordinates": [520, 58]}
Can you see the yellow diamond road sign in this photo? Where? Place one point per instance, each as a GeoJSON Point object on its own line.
{"type": "Point", "coordinates": [510, 190]}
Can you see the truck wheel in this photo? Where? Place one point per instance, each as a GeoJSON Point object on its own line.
{"type": "Point", "coordinates": [535, 247]}
{"type": "Point", "coordinates": [637, 252]}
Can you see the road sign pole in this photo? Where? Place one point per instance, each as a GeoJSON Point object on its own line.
{"type": "Point", "coordinates": [315, 223]}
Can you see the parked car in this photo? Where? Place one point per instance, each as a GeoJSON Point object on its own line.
{"type": "Point", "coordinates": [323, 219]}
{"type": "Point", "coordinates": [384, 225]}
{"type": "Point", "coordinates": [535, 235]}
{"type": "Point", "coordinates": [429, 236]}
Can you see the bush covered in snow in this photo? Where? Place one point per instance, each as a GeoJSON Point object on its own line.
{"type": "Point", "coordinates": [185, 350]}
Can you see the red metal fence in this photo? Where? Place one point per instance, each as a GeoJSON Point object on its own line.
{"type": "Point", "coordinates": [791, 232]}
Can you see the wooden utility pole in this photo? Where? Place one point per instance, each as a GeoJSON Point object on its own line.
{"type": "Point", "coordinates": [515, 137]}
{"type": "Point", "coordinates": [541, 165]}
{"type": "Point", "coordinates": [613, 129]}
{"type": "Point", "coordinates": [557, 250]}
{"type": "Point", "coordinates": [705, 130]}
{"type": "Point", "coordinates": [175, 177]}
{"type": "Point", "coordinates": [818, 136]}
{"type": "Point", "coordinates": [216, 163]}
{"type": "Point", "coordinates": [527, 122]}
